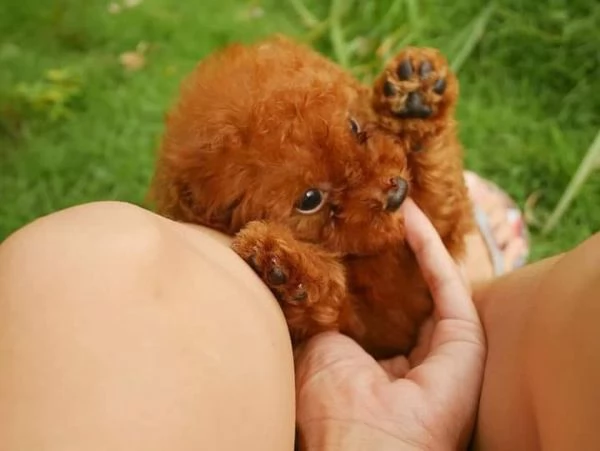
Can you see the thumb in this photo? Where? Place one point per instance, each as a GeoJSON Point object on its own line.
{"type": "Point", "coordinates": [457, 352]}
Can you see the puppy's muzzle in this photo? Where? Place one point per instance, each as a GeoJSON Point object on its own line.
{"type": "Point", "coordinates": [396, 194]}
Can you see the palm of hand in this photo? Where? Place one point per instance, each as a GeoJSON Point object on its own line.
{"type": "Point", "coordinates": [338, 382]}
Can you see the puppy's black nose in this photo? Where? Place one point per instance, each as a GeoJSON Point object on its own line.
{"type": "Point", "coordinates": [396, 194]}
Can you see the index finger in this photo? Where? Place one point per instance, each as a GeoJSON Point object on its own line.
{"type": "Point", "coordinates": [441, 273]}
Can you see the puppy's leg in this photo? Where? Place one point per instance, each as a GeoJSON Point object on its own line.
{"type": "Point", "coordinates": [415, 98]}
{"type": "Point", "coordinates": [308, 281]}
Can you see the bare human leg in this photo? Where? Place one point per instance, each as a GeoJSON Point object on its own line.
{"type": "Point", "coordinates": [541, 382]}
{"type": "Point", "coordinates": [121, 330]}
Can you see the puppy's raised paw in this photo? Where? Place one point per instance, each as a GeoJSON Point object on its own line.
{"type": "Point", "coordinates": [308, 282]}
{"type": "Point", "coordinates": [416, 85]}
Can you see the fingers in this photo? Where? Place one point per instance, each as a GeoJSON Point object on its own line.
{"type": "Point", "coordinates": [396, 367]}
{"type": "Point", "coordinates": [442, 275]}
{"type": "Point", "coordinates": [423, 346]}
{"type": "Point", "coordinates": [456, 357]}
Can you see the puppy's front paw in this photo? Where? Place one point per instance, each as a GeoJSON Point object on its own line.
{"type": "Point", "coordinates": [416, 84]}
{"type": "Point", "coordinates": [308, 282]}
{"type": "Point", "coordinates": [274, 260]}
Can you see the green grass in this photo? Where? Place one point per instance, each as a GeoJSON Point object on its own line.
{"type": "Point", "coordinates": [529, 71]}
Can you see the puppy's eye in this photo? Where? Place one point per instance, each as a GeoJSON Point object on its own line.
{"type": "Point", "coordinates": [354, 127]}
{"type": "Point", "coordinates": [311, 201]}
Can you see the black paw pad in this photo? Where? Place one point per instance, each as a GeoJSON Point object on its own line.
{"type": "Point", "coordinates": [415, 108]}
{"type": "Point", "coordinates": [440, 86]}
{"type": "Point", "coordinates": [404, 70]}
{"type": "Point", "coordinates": [389, 89]}
{"type": "Point", "coordinates": [425, 69]}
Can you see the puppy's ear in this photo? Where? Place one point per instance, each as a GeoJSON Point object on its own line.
{"type": "Point", "coordinates": [185, 196]}
{"type": "Point", "coordinates": [177, 200]}
{"type": "Point", "coordinates": [223, 219]}
{"type": "Point", "coordinates": [217, 216]}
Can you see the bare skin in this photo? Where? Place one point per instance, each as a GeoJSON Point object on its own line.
{"type": "Point", "coordinates": [122, 330]}
{"type": "Point", "coordinates": [540, 389]}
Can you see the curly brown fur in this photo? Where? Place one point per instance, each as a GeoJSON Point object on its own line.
{"type": "Point", "coordinates": [261, 131]}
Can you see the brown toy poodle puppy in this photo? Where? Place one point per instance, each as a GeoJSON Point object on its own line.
{"type": "Point", "coordinates": [306, 168]}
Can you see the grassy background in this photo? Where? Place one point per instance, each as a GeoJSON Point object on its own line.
{"type": "Point", "coordinates": [75, 126]}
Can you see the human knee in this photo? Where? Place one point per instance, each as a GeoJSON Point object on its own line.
{"type": "Point", "coordinates": [576, 270]}
{"type": "Point", "coordinates": [99, 231]}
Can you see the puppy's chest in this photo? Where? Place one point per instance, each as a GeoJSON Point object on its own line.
{"type": "Point", "coordinates": [389, 299]}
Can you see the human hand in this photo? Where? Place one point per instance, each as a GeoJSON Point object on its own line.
{"type": "Point", "coordinates": [348, 401]}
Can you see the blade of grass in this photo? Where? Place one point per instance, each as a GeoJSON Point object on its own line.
{"type": "Point", "coordinates": [412, 9]}
{"type": "Point", "coordinates": [516, 25]}
{"type": "Point", "coordinates": [360, 47]}
{"type": "Point", "coordinates": [366, 72]}
{"type": "Point", "coordinates": [309, 20]}
{"type": "Point", "coordinates": [317, 32]}
{"type": "Point", "coordinates": [457, 41]}
{"type": "Point", "coordinates": [336, 32]}
{"type": "Point", "coordinates": [590, 162]}
{"type": "Point", "coordinates": [478, 27]}
{"type": "Point", "coordinates": [570, 100]}
{"type": "Point", "coordinates": [391, 15]}
{"type": "Point", "coordinates": [393, 43]}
